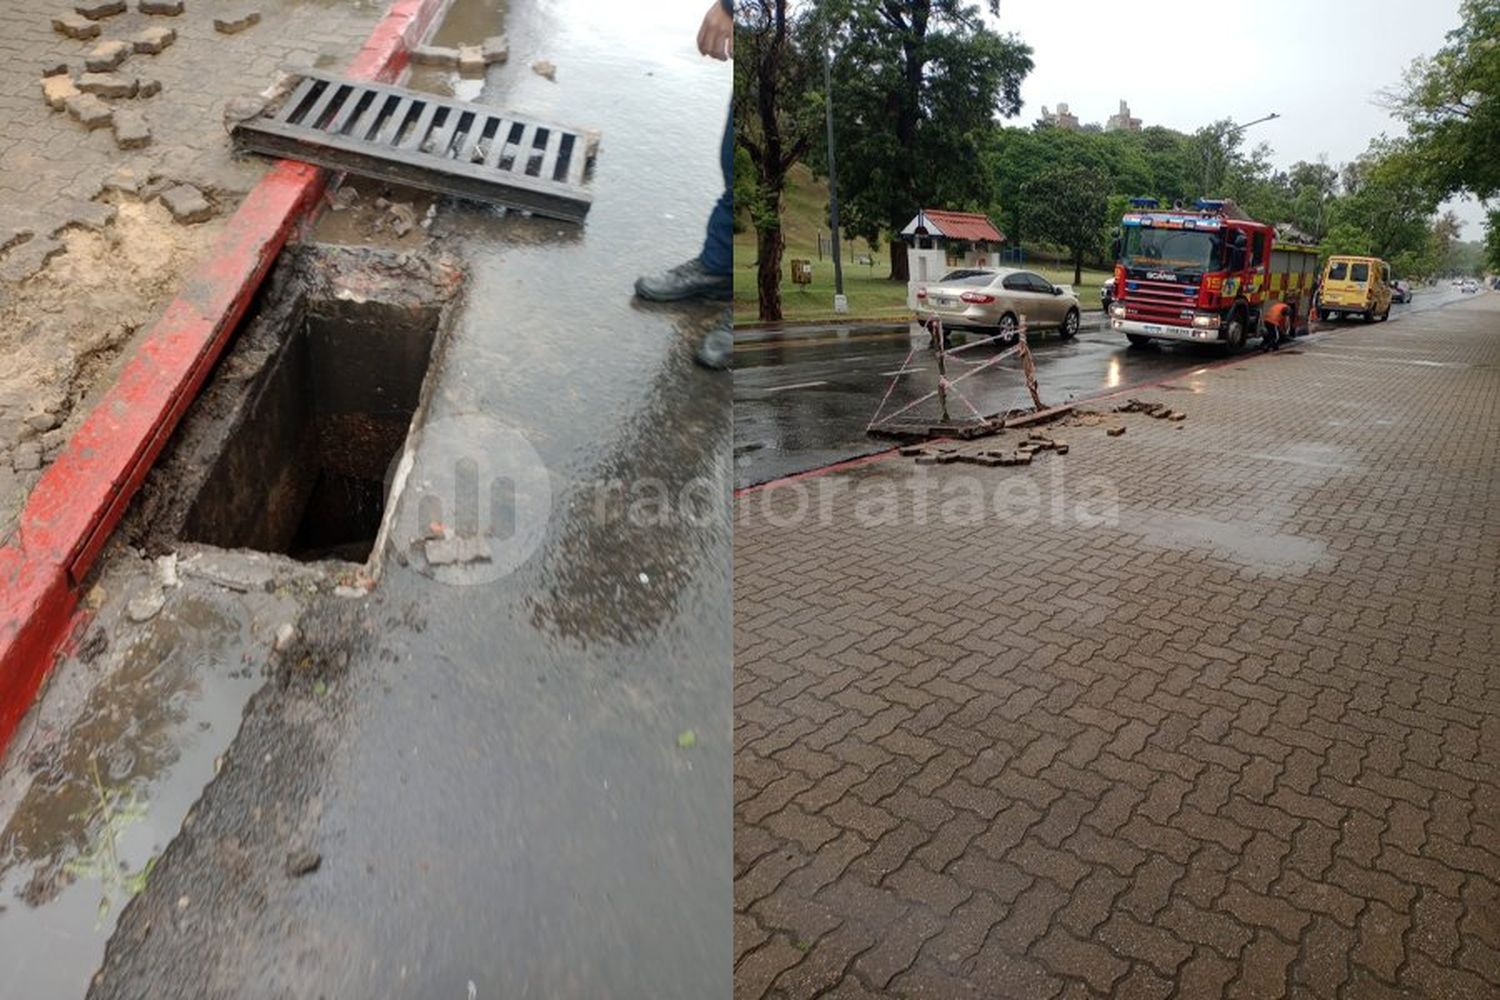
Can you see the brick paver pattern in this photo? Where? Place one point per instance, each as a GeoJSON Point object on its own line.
{"type": "Point", "coordinates": [1242, 743]}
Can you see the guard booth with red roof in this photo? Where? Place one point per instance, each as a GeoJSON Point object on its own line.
{"type": "Point", "coordinates": [939, 240]}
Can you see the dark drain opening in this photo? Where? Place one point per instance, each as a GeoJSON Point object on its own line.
{"type": "Point", "coordinates": [304, 473]}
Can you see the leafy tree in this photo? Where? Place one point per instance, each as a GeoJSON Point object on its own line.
{"type": "Point", "coordinates": [1068, 205]}
{"type": "Point", "coordinates": [775, 125]}
{"type": "Point", "coordinates": [1451, 102]}
{"type": "Point", "coordinates": [917, 87]}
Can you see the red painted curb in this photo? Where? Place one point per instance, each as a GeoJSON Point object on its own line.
{"type": "Point", "coordinates": [83, 494]}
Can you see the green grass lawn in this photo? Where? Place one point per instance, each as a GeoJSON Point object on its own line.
{"type": "Point", "coordinates": [871, 295]}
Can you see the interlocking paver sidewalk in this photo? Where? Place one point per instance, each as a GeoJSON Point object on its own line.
{"type": "Point", "coordinates": [64, 322]}
{"type": "Point", "coordinates": [1201, 712]}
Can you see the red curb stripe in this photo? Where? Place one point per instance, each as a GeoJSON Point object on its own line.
{"type": "Point", "coordinates": [83, 494]}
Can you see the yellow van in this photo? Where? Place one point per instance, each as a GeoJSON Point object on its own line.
{"type": "Point", "coordinates": [1356, 286]}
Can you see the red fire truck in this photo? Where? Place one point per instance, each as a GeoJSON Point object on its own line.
{"type": "Point", "coordinates": [1205, 275]}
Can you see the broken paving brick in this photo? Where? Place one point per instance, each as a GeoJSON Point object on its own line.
{"type": "Point", "coordinates": [187, 204]}
{"type": "Point", "coordinates": [151, 41]}
{"type": "Point", "coordinates": [496, 49]}
{"type": "Point", "coordinates": [147, 88]}
{"type": "Point", "coordinates": [304, 862]}
{"type": "Point", "coordinates": [434, 55]}
{"type": "Point", "coordinates": [544, 68]}
{"type": "Point", "coordinates": [89, 111]}
{"type": "Point", "coordinates": [233, 24]}
{"type": "Point", "coordinates": [912, 450]}
{"type": "Point", "coordinates": [56, 90]}
{"type": "Point", "coordinates": [1177, 415]}
{"type": "Point", "coordinates": [75, 26]}
{"type": "Point", "coordinates": [1115, 432]}
{"type": "Point", "coordinates": [161, 8]}
{"type": "Point", "coordinates": [125, 180]}
{"type": "Point", "coordinates": [108, 85]}
{"type": "Point", "coordinates": [131, 130]}
{"type": "Point", "coordinates": [106, 56]}
{"type": "Point", "coordinates": [97, 10]}
{"type": "Point", "coordinates": [54, 69]}
{"type": "Point", "coordinates": [471, 60]}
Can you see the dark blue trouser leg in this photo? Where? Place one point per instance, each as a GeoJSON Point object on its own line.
{"type": "Point", "coordinates": [718, 246]}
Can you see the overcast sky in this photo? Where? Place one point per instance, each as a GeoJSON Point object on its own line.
{"type": "Point", "coordinates": [1317, 64]}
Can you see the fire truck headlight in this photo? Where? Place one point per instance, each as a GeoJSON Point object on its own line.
{"type": "Point", "coordinates": [1117, 310]}
{"type": "Point", "coordinates": [1204, 321]}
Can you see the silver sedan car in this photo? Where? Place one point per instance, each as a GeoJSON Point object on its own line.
{"type": "Point", "coordinates": [998, 300]}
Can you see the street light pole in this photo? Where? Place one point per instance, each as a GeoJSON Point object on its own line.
{"type": "Point", "coordinates": [840, 304]}
{"type": "Point", "coordinates": [1220, 136]}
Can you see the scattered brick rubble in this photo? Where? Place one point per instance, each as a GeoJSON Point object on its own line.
{"type": "Point", "coordinates": [108, 85]}
{"type": "Point", "coordinates": [233, 24]}
{"type": "Point", "coordinates": [989, 456]}
{"type": "Point", "coordinates": [131, 130]}
{"type": "Point", "coordinates": [467, 58]}
{"type": "Point", "coordinates": [162, 8]}
{"type": "Point", "coordinates": [56, 90]}
{"type": "Point", "coordinates": [97, 10]}
{"type": "Point", "coordinates": [106, 57]}
{"type": "Point", "coordinates": [187, 204]}
{"type": "Point", "coordinates": [89, 111]}
{"type": "Point", "coordinates": [75, 26]}
{"type": "Point", "coordinates": [152, 41]}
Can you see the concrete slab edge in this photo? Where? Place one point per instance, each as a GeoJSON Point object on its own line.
{"type": "Point", "coordinates": [81, 497]}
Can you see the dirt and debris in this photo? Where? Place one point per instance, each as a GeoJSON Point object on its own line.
{"type": "Point", "coordinates": [63, 330]}
{"type": "Point", "coordinates": [546, 69]}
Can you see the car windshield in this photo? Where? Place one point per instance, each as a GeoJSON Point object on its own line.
{"type": "Point", "coordinates": [1359, 272]}
{"type": "Point", "coordinates": [968, 276]}
{"type": "Point", "coordinates": [1170, 249]}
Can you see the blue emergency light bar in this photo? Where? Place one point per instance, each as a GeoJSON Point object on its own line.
{"type": "Point", "coordinates": [1144, 203]}
{"type": "Point", "coordinates": [1211, 204]}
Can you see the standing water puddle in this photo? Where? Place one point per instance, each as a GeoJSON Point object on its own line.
{"type": "Point", "coordinates": [110, 794]}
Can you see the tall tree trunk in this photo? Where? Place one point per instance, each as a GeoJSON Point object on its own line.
{"type": "Point", "coordinates": [1077, 268]}
{"type": "Point", "coordinates": [900, 265]}
{"type": "Point", "coordinates": [770, 241]}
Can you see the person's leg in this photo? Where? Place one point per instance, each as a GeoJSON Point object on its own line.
{"type": "Point", "coordinates": [709, 275]}
{"type": "Point", "coordinates": [718, 245]}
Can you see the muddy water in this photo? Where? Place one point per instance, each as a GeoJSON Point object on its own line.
{"type": "Point", "coordinates": [110, 793]}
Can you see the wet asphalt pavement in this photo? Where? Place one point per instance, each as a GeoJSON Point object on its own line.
{"type": "Point", "coordinates": [518, 777]}
{"type": "Point", "coordinates": [804, 395]}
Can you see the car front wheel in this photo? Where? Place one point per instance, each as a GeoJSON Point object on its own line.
{"type": "Point", "coordinates": [1069, 328]}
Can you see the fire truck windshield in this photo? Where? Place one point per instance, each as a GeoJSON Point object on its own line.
{"type": "Point", "coordinates": [1171, 249]}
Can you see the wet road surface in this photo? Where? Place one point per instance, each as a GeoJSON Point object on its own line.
{"type": "Point", "coordinates": [803, 396]}
{"type": "Point", "coordinates": [518, 774]}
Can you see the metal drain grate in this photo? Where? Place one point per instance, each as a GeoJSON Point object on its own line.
{"type": "Point", "coordinates": [406, 137]}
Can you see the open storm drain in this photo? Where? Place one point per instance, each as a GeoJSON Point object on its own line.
{"type": "Point", "coordinates": [290, 448]}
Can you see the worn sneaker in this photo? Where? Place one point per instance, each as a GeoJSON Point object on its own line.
{"type": "Point", "coordinates": [717, 349]}
{"type": "Point", "coordinates": [685, 281]}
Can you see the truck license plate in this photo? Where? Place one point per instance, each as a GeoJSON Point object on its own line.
{"type": "Point", "coordinates": [1154, 328]}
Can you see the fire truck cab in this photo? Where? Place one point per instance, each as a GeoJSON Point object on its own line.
{"type": "Point", "coordinates": [1205, 275]}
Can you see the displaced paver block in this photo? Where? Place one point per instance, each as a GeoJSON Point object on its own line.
{"type": "Point", "coordinates": [161, 8]}
{"type": "Point", "coordinates": [233, 24]}
{"type": "Point", "coordinates": [471, 60]}
{"type": "Point", "coordinates": [97, 10]}
{"type": "Point", "coordinates": [106, 57]}
{"type": "Point", "coordinates": [89, 111]}
{"type": "Point", "coordinates": [55, 69]}
{"type": "Point", "coordinates": [187, 204]}
{"type": "Point", "coordinates": [434, 55]}
{"type": "Point", "coordinates": [147, 88]}
{"type": "Point", "coordinates": [108, 85]}
{"type": "Point", "coordinates": [75, 26]}
{"type": "Point", "coordinates": [57, 90]}
{"type": "Point", "coordinates": [131, 130]}
{"type": "Point", "coordinates": [496, 49]}
{"type": "Point", "coordinates": [1115, 432]}
{"type": "Point", "coordinates": [151, 41]}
